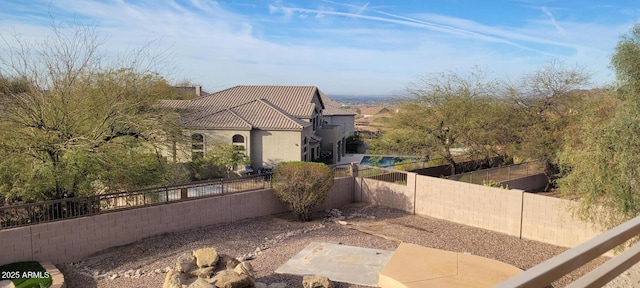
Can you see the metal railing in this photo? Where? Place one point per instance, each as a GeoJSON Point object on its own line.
{"type": "Point", "coordinates": [54, 210]}
{"type": "Point", "coordinates": [546, 272]}
{"type": "Point", "coordinates": [341, 170]}
{"type": "Point", "coordinates": [382, 174]}
{"type": "Point", "coordinates": [500, 174]}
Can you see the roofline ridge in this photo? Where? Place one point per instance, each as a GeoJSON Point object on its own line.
{"type": "Point", "coordinates": [240, 117]}
{"type": "Point", "coordinates": [282, 112]}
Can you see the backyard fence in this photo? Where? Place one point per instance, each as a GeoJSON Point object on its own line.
{"type": "Point", "coordinates": [54, 210]}
{"type": "Point", "coordinates": [500, 174]}
{"type": "Point", "coordinates": [382, 174]}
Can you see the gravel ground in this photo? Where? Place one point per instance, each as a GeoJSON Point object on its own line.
{"type": "Point", "coordinates": [143, 262]}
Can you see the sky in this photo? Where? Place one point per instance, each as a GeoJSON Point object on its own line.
{"type": "Point", "coordinates": [343, 47]}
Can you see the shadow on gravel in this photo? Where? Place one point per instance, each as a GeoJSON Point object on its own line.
{"type": "Point", "coordinates": [78, 280]}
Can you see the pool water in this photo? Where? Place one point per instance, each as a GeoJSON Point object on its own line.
{"type": "Point", "coordinates": [384, 161]}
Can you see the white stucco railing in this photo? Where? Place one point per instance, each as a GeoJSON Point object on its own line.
{"type": "Point", "coordinates": [546, 272]}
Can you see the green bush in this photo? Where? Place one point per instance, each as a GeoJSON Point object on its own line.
{"type": "Point", "coordinates": [302, 186]}
{"type": "Point", "coordinates": [496, 184]}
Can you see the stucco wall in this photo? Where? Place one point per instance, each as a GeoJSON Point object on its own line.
{"type": "Point", "coordinates": [212, 136]}
{"type": "Point", "coordinates": [271, 147]}
{"type": "Point", "coordinates": [347, 121]}
{"type": "Point", "coordinates": [74, 239]}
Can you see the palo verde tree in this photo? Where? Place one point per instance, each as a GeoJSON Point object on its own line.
{"type": "Point", "coordinates": [74, 123]}
{"type": "Point", "coordinates": [302, 186]}
{"type": "Point", "coordinates": [603, 168]}
{"type": "Point", "coordinates": [446, 111]}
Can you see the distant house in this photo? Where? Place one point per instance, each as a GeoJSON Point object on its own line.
{"type": "Point", "coordinates": [269, 123]}
{"type": "Point", "coordinates": [335, 115]}
{"type": "Point", "coordinates": [368, 116]}
{"type": "Point", "coordinates": [372, 111]}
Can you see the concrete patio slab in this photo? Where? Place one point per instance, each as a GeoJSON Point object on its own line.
{"type": "Point", "coordinates": [413, 266]}
{"type": "Point", "coordinates": [340, 263]}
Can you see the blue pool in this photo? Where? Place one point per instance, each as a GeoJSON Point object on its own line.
{"type": "Point", "coordinates": [384, 161]}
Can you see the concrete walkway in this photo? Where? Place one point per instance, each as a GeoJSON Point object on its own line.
{"type": "Point", "coordinates": [413, 266]}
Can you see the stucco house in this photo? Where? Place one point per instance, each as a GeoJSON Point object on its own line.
{"type": "Point", "coordinates": [269, 123]}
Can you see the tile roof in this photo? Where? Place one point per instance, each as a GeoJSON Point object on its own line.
{"type": "Point", "coordinates": [333, 108]}
{"type": "Point", "coordinates": [223, 119]}
{"type": "Point", "coordinates": [295, 100]}
{"type": "Point", "coordinates": [373, 110]}
{"type": "Point", "coordinates": [263, 107]}
{"type": "Point", "coordinates": [258, 114]}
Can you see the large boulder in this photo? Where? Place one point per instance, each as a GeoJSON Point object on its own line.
{"type": "Point", "coordinates": [316, 282]}
{"type": "Point", "coordinates": [173, 279]}
{"type": "Point", "coordinates": [206, 257]}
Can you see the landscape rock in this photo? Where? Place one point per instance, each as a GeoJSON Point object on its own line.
{"type": "Point", "coordinates": [227, 262]}
{"type": "Point", "coordinates": [203, 272]}
{"type": "Point", "coordinates": [245, 268]}
{"type": "Point", "coordinates": [316, 282]}
{"type": "Point", "coordinates": [231, 279]}
{"type": "Point", "coordinates": [186, 263]}
{"type": "Point", "coordinates": [173, 280]}
{"type": "Point", "coordinates": [200, 283]}
{"type": "Point", "coordinates": [260, 285]}
{"type": "Point", "coordinates": [246, 257]}
{"type": "Point", "coordinates": [206, 257]}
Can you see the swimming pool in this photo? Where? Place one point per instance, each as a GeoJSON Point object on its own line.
{"type": "Point", "coordinates": [385, 161]}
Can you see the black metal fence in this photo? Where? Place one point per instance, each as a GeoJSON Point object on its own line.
{"type": "Point", "coordinates": [500, 174]}
{"type": "Point", "coordinates": [54, 210]}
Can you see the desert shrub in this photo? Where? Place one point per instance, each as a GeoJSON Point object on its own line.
{"type": "Point", "coordinates": [302, 186]}
{"type": "Point", "coordinates": [495, 184]}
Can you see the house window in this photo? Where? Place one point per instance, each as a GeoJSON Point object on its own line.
{"type": "Point", "coordinates": [314, 123]}
{"type": "Point", "coordinates": [237, 139]}
{"type": "Point", "coordinates": [305, 140]}
{"type": "Point", "coordinates": [197, 146]}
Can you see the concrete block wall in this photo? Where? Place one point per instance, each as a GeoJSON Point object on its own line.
{"type": "Point", "coordinates": [475, 205]}
{"type": "Point", "coordinates": [529, 183]}
{"type": "Point", "coordinates": [547, 219]}
{"type": "Point", "coordinates": [341, 193]}
{"type": "Point", "coordinates": [513, 212]}
{"type": "Point", "coordinates": [386, 194]}
{"type": "Point", "coordinates": [74, 239]}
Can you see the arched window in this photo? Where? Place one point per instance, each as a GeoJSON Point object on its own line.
{"type": "Point", "coordinates": [237, 139]}
{"type": "Point", "coordinates": [197, 146]}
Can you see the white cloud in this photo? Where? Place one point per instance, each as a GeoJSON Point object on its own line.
{"type": "Point", "coordinates": [351, 49]}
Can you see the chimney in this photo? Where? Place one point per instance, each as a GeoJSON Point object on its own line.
{"type": "Point", "coordinates": [198, 89]}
